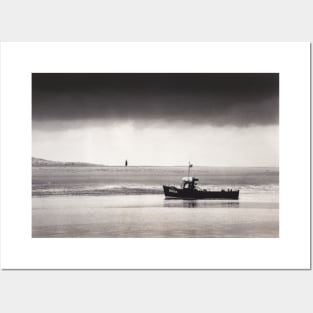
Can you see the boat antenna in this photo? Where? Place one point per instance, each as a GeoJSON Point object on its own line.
{"type": "Point", "coordinates": [189, 166]}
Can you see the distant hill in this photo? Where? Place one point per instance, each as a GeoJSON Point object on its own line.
{"type": "Point", "coordinates": [42, 162]}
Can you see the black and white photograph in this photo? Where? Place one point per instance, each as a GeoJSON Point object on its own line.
{"type": "Point", "coordinates": [155, 155]}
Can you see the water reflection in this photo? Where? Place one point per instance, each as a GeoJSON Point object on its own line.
{"type": "Point", "coordinates": [178, 203]}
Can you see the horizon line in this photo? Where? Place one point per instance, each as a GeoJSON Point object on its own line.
{"type": "Point", "coordinates": [150, 165]}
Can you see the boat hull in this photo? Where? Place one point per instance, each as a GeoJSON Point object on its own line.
{"type": "Point", "coordinates": [179, 193]}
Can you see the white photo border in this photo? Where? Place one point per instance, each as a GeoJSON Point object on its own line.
{"type": "Point", "coordinates": [290, 251]}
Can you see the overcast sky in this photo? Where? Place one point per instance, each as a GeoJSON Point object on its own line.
{"type": "Point", "coordinates": [157, 119]}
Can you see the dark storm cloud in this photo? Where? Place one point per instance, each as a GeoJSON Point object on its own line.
{"type": "Point", "coordinates": [217, 99]}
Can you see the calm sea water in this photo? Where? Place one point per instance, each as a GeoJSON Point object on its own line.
{"type": "Point", "coordinates": [129, 202]}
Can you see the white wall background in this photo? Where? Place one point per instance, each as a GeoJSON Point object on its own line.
{"type": "Point", "coordinates": [156, 291]}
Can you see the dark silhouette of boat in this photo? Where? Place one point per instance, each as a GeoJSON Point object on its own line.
{"type": "Point", "coordinates": [190, 190]}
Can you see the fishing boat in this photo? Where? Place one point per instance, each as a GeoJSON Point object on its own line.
{"type": "Point", "coordinates": [190, 190]}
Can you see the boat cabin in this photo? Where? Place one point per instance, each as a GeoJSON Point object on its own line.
{"type": "Point", "coordinates": [189, 182]}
